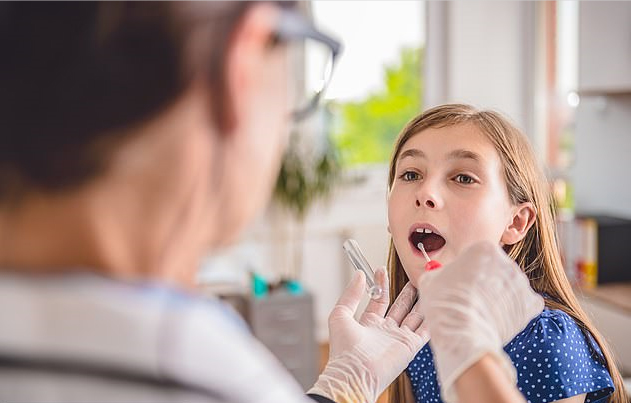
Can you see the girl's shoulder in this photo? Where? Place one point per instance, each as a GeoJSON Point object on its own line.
{"type": "Point", "coordinates": [555, 333]}
{"type": "Point", "coordinates": [551, 323]}
{"type": "Point", "coordinates": [555, 359]}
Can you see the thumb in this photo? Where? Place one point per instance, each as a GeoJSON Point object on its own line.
{"type": "Point", "coordinates": [426, 279]}
{"type": "Point", "coordinates": [349, 300]}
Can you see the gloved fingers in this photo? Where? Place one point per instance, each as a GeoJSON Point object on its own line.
{"type": "Point", "coordinates": [379, 306]}
{"type": "Point", "coordinates": [423, 331]}
{"type": "Point", "coordinates": [403, 304]}
{"type": "Point", "coordinates": [533, 303]}
{"type": "Point", "coordinates": [415, 318]}
{"type": "Point", "coordinates": [484, 255]}
{"type": "Point", "coordinates": [349, 300]}
{"type": "Point", "coordinates": [425, 282]}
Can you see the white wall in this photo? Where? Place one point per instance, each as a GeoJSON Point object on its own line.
{"type": "Point", "coordinates": [483, 53]}
{"type": "Point", "coordinates": [603, 118]}
{"type": "Point", "coordinates": [601, 172]}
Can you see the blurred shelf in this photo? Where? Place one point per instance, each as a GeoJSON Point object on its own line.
{"type": "Point", "coordinates": [617, 295]}
{"type": "Point", "coordinates": [609, 306]}
{"type": "Point", "coordinates": [604, 92]}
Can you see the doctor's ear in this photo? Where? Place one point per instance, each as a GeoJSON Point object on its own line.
{"type": "Point", "coordinates": [524, 216]}
{"type": "Point", "coordinates": [247, 49]}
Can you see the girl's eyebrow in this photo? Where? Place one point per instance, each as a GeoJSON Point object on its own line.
{"type": "Point", "coordinates": [412, 152]}
{"type": "Point", "coordinates": [453, 155]}
{"type": "Point", "coordinates": [464, 154]}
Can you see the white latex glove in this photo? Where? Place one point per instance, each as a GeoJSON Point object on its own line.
{"type": "Point", "coordinates": [365, 356]}
{"type": "Point", "coordinates": [474, 306]}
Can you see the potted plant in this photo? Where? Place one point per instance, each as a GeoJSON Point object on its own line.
{"type": "Point", "coordinates": [309, 171]}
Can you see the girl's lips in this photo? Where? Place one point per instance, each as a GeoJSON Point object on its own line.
{"type": "Point", "coordinates": [425, 226]}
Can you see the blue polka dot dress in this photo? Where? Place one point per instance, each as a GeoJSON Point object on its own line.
{"type": "Point", "coordinates": [553, 358]}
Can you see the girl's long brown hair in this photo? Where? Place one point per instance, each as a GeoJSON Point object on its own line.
{"type": "Point", "coordinates": [537, 254]}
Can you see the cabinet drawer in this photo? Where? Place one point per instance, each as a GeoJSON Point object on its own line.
{"type": "Point", "coordinates": [284, 324]}
{"type": "Point", "coordinates": [293, 357]}
{"type": "Point", "coordinates": [306, 377]}
{"type": "Point", "coordinates": [283, 337]}
{"type": "Point", "coordinates": [280, 315]}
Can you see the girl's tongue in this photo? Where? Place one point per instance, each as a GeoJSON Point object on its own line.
{"type": "Point", "coordinates": [431, 241]}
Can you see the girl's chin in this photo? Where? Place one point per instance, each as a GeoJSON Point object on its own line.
{"type": "Point", "coordinates": [415, 275]}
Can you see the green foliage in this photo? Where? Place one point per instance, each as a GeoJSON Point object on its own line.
{"type": "Point", "coordinates": [364, 133]}
{"type": "Point", "coordinates": [305, 178]}
{"type": "Point", "coordinates": [367, 129]}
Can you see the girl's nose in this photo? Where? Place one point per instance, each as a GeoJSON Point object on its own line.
{"type": "Point", "coordinates": [429, 203]}
{"type": "Point", "coordinates": [428, 196]}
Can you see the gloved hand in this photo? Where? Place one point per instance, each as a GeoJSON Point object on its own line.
{"type": "Point", "coordinates": [365, 356]}
{"type": "Point", "coordinates": [474, 306]}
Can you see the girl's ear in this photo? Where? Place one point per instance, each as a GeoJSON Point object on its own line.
{"type": "Point", "coordinates": [524, 216]}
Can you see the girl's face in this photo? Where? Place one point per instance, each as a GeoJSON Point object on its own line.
{"type": "Point", "coordinates": [449, 193]}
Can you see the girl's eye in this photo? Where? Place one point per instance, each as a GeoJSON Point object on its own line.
{"type": "Point", "coordinates": [464, 179]}
{"type": "Point", "coordinates": [409, 176]}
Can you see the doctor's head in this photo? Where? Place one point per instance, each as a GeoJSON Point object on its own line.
{"type": "Point", "coordinates": [174, 111]}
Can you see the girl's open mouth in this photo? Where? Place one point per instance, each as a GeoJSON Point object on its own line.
{"type": "Point", "coordinates": [430, 239]}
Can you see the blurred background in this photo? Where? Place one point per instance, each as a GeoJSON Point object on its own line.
{"type": "Point", "coordinates": [560, 69]}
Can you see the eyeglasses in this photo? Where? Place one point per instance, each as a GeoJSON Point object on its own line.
{"type": "Point", "coordinates": [320, 54]}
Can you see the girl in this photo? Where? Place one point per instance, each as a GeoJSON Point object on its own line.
{"type": "Point", "coordinates": [459, 175]}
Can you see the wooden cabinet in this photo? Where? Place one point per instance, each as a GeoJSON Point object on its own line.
{"type": "Point", "coordinates": [284, 323]}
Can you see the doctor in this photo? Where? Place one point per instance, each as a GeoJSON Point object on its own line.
{"type": "Point", "coordinates": [134, 138]}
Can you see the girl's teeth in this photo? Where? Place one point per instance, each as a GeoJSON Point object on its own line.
{"type": "Point", "coordinates": [426, 230]}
